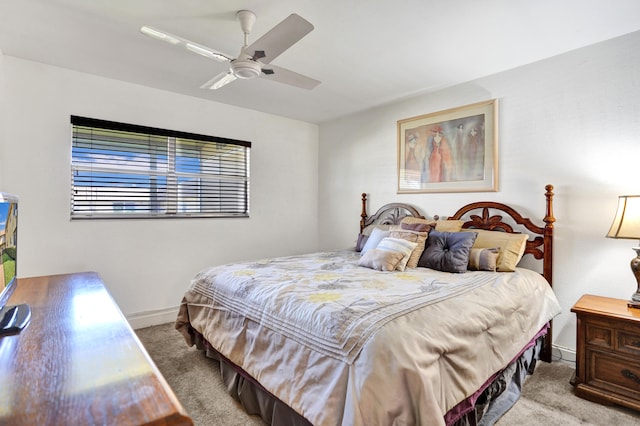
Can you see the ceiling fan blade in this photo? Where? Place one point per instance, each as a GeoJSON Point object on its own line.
{"type": "Point", "coordinates": [192, 46]}
{"type": "Point", "coordinates": [281, 37]}
{"type": "Point", "coordinates": [283, 75]}
{"type": "Point", "coordinates": [219, 80]}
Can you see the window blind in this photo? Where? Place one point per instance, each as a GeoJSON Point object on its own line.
{"type": "Point", "coordinates": [128, 171]}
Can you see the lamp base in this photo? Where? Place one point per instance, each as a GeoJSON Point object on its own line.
{"type": "Point", "coordinates": [635, 268]}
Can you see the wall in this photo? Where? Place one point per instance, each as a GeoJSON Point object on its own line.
{"type": "Point", "coordinates": [3, 102]}
{"type": "Point", "coordinates": [146, 264]}
{"type": "Point", "coordinates": [572, 121]}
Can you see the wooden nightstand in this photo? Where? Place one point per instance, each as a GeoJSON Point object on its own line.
{"type": "Point", "coordinates": [608, 352]}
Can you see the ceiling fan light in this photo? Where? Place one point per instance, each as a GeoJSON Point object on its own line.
{"type": "Point", "coordinates": [151, 32]}
{"type": "Point", "coordinates": [245, 69]}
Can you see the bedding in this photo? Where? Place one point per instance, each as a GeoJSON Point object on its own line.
{"type": "Point", "coordinates": [336, 341]}
{"type": "Point", "coordinates": [359, 336]}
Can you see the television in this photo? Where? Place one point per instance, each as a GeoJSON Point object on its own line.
{"type": "Point", "coordinates": [13, 318]}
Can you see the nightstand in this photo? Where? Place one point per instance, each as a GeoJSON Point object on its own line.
{"type": "Point", "coordinates": [608, 351]}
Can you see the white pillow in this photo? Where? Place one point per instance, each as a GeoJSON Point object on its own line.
{"type": "Point", "coordinates": [399, 245]}
{"type": "Point", "coordinates": [381, 260]}
{"type": "Point", "coordinates": [372, 242]}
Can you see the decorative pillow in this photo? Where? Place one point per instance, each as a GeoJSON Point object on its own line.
{"type": "Point", "coordinates": [381, 260]}
{"type": "Point", "coordinates": [418, 227]}
{"type": "Point", "coordinates": [372, 242]}
{"type": "Point", "coordinates": [366, 232]}
{"type": "Point", "coordinates": [483, 259]}
{"type": "Point", "coordinates": [439, 225]}
{"type": "Point", "coordinates": [449, 225]}
{"type": "Point", "coordinates": [369, 229]}
{"type": "Point", "coordinates": [399, 245]}
{"type": "Point", "coordinates": [511, 247]}
{"type": "Point", "coordinates": [447, 251]}
{"type": "Point", "coordinates": [410, 220]}
{"type": "Point", "coordinates": [362, 239]}
{"type": "Point", "coordinates": [420, 238]}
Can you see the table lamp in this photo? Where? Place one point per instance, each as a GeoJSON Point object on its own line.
{"type": "Point", "coordinates": [626, 224]}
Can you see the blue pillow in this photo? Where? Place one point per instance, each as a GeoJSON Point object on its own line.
{"type": "Point", "coordinates": [448, 251]}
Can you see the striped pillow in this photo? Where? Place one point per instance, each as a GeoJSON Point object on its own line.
{"type": "Point", "coordinates": [381, 260]}
{"type": "Point", "coordinates": [415, 237]}
{"type": "Point", "coordinates": [483, 259]}
{"type": "Point", "coordinates": [400, 245]}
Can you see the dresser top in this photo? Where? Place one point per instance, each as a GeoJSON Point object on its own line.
{"type": "Point", "coordinates": [79, 361]}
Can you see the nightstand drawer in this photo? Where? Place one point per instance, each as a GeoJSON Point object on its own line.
{"type": "Point", "coordinates": [628, 342]}
{"type": "Point", "coordinates": [599, 334]}
{"type": "Point", "coordinates": [617, 374]}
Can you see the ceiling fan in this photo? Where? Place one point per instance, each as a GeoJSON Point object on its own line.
{"type": "Point", "coordinates": [254, 60]}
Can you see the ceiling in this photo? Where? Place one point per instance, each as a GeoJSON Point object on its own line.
{"type": "Point", "coordinates": [365, 52]}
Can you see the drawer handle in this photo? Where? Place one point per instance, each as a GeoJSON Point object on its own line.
{"type": "Point", "coordinates": [629, 375]}
{"type": "Point", "coordinates": [635, 344]}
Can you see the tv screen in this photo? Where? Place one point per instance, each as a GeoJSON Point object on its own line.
{"type": "Point", "coordinates": [12, 318]}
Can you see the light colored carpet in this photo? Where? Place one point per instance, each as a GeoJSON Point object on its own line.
{"type": "Point", "coordinates": [547, 398]}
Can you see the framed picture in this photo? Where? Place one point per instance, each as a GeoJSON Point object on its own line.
{"type": "Point", "coordinates": [455, 150]}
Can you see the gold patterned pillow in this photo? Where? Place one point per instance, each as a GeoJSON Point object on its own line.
{"type": "Point", "coordinates": [511, 247]}
{"type": "Point", "coordinates": [420, 238]}
{"type": "Point", "coordinates": [439, 225]}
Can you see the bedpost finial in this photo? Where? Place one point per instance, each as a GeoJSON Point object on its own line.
{"type": "Point", "coordinates": [363, 215]}
{"type": "Point", "coordinates": [548, 218]}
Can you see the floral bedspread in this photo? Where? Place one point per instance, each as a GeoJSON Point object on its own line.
{"type": "Point", "coordinates": [345, 345]}
{"type": "Point", "coordinates": [325, 300]}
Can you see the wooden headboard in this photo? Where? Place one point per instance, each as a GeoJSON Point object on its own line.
{"type": "Point", "coordinates": [539, 245]}
{"type": "Point", "coordinates": [491, 216]}
{"type": "Point", "coordinates": [487, 215]}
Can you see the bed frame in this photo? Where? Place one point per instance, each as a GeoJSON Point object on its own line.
{"type": "Point", "coordinates": [488, 215]}
{"type": "Point", "coordinates": [480, 215]}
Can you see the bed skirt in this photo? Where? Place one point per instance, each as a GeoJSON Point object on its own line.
{"type": "Point", "coordinates": [483, 408]}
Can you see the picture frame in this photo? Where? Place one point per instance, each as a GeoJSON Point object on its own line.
{"type": "Point", "coordinates": [455, 150]}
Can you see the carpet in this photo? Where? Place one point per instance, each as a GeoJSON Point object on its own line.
{"type": "Point", "coordinates": [547, 398]}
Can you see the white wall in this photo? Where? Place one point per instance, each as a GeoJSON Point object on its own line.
{"type": "Point", "coordinates": [146, 264]}
{"type": "Point", "coordinates": [572, 121]}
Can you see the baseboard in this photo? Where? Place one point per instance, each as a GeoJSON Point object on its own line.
{"type": "Point", "coordinates": [561, 353]}
{"type": "Point", "coordinates": [150, 318]}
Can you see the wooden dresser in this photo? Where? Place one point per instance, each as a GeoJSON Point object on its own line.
{"type": "Point", "coordinates": [608, 351]}
{"type": "Point", "coordinates": [79, 362]}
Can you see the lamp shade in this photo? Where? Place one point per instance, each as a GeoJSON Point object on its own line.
{"type": "Point", "coordinates": [626, 224]}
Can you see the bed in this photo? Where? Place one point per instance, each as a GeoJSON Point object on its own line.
{"type": "Point", "coordinates": [378, 335]}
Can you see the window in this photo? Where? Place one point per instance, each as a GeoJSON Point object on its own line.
{"type": "Point", "coordinates": [127, 171]}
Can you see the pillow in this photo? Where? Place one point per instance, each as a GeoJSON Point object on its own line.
{"type": "Point", "coordinates": [362, 239]}
{"type": "Point", "coordinates": [439, 225]}
{"type": "Point", "coordinates": [372, 242]}
{"type": "Point", "coordinates": [449, 225]}
{"type": "Point", "coordinates": [381, 260]}
{"type": "Point", "coordinates": [420, 238]}
{"type": "Point", "coordinates": [399, 245]}
{"type": "Point", "coordinates": [511, 247]}
{"type": "Point", "coordinates": [447, 251]}
{"type": "Point", "coordinates": [418, 227]}
{"type": "Point", "coordinates": [366, 232]}
{"type": "Point", "coordinates": [483, 259]}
